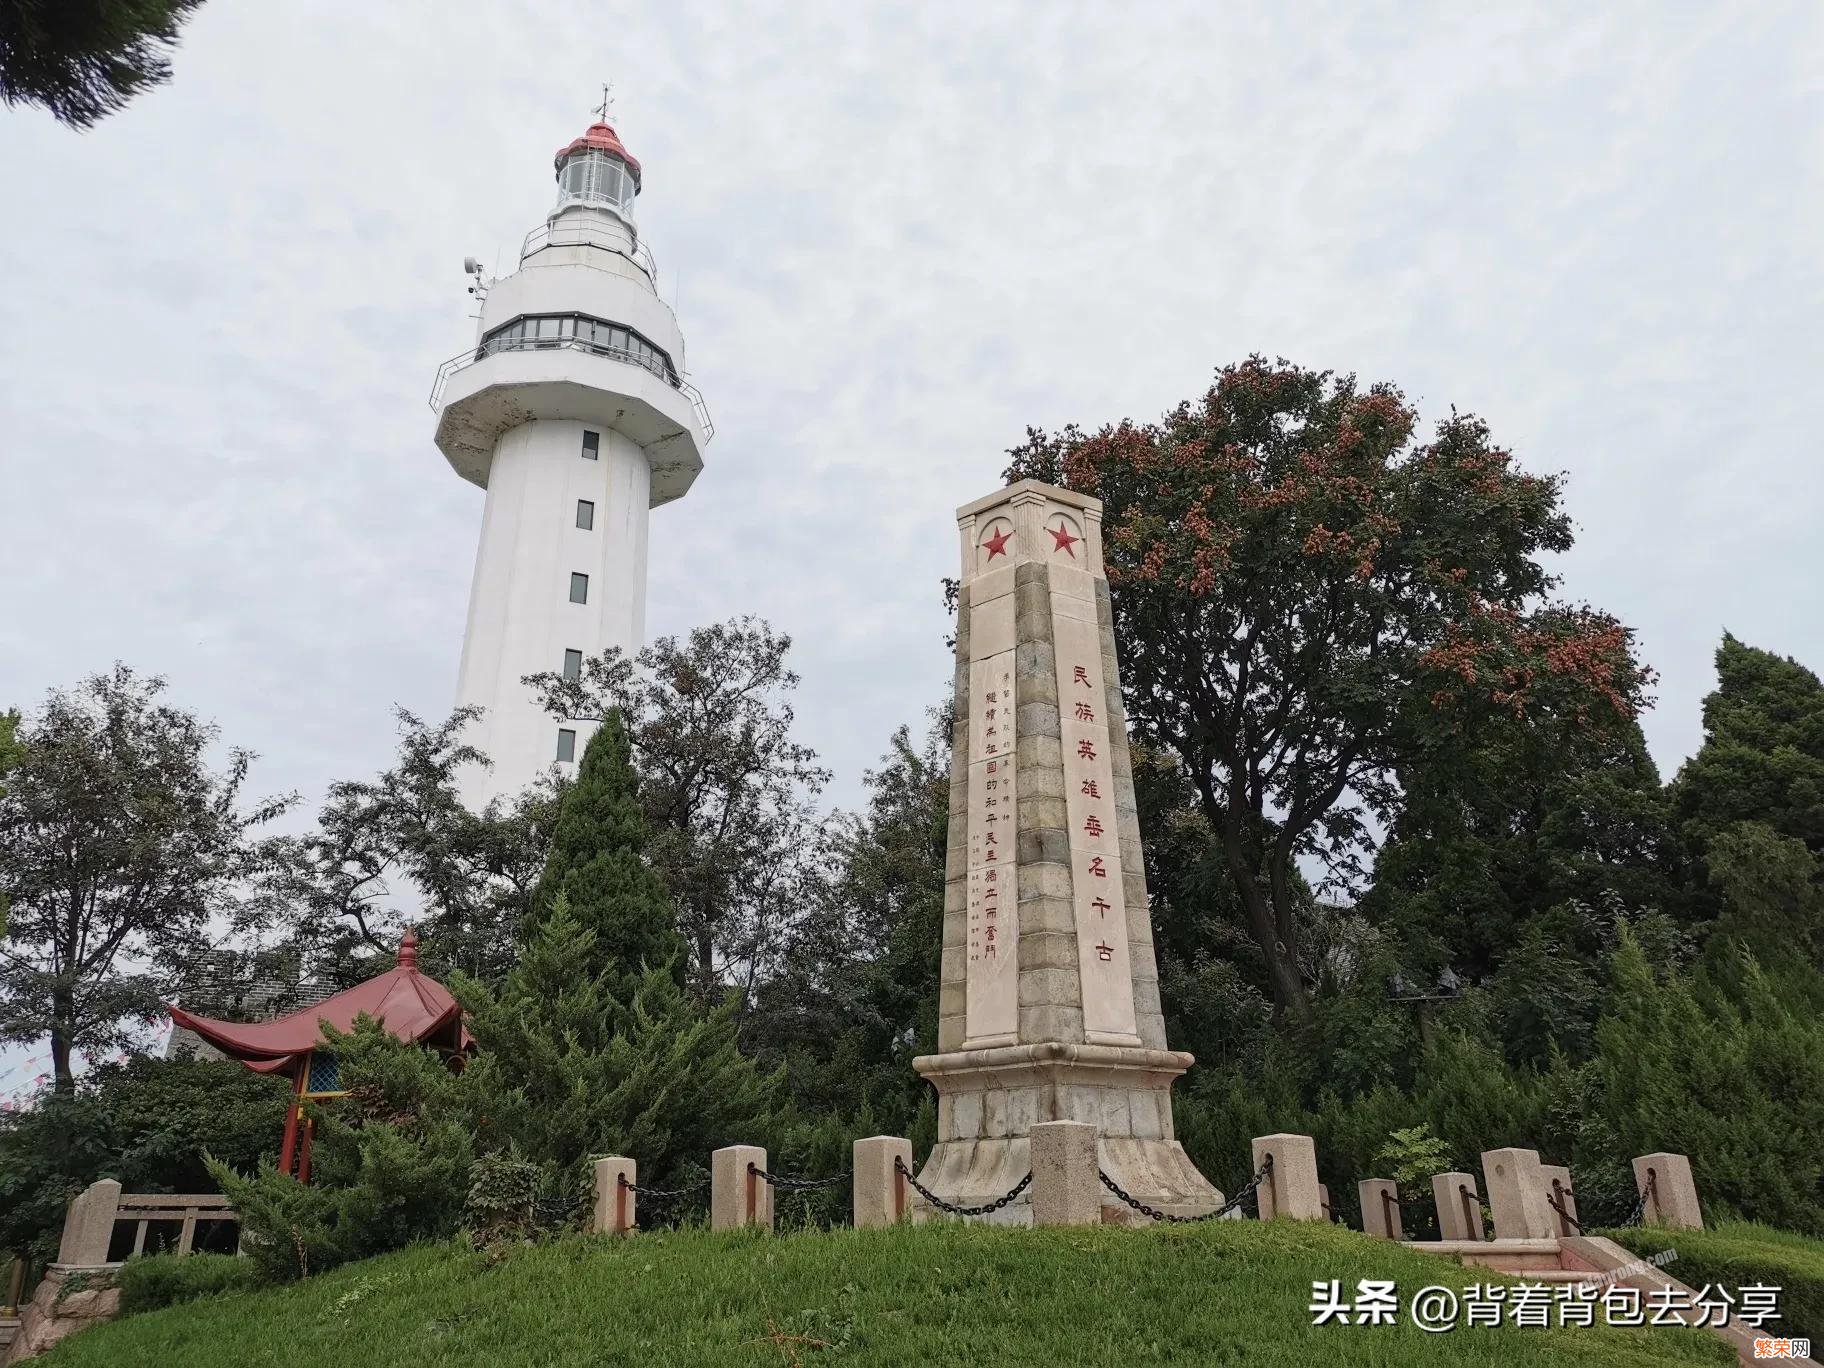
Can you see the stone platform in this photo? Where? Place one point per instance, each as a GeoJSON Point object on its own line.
{"type": "Point", "coordinates": [988, 1100]}
{"type": "Point", "coordinates": [67, 1299]}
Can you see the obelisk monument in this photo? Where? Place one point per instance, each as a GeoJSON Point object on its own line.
{"type": "Point", "coordinates": [1049, 1006]}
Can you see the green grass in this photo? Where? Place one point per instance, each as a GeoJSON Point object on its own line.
{"type": "Point", "coordinates": [1738, 1252]}
{"type": "Point", "coordinates": [1219, 1293]}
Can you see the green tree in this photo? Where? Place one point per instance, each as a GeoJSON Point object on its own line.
{"type": "Point", "coordinates": [578, 1057]}
{"type": "Point", "coordinates": [1763, 754]}
{"type": "Point", "coordinates": [9, 743]}
{"type": "Point", "coordinates": [854, 999]}
{"type": "Point", "coordinates": [84, 59]}
{"type": "Point", "coordinates": [9, 756]}
{"type": "Point", "coordinates": [1726, 1068]}
{"type": "Point", "coordinates": [389, 1162]}
{"type": "Point", "coordinates": [146, 1122]}
{"type": "Point", "coordinates": [117, 845]}
{"type": "Point", "coordinates": [729, 792]}
{"type": "Point", "coordinates": [338, 895]}
{"type": "Point", "coordinates": [1529, 818]}
{"type": "Point", "coordinates": [1307, 603]}
{"type": "Point", "coordinates": [1213, 982]}
{"type": "Point", "coordinates": [597, 863]}
{"type": "Point", "coordinates": [1769, 891]}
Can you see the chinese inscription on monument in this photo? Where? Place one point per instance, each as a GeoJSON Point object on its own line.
{"type": "Point", "coordinates": [1048, 1005]}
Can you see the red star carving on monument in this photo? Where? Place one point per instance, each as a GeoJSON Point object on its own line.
{"type": "Point", "coordinates": [1064, 541]}
{"type": "Point", "coordinates": [997, 544]}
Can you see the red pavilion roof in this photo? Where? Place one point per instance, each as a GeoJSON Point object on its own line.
{"type": "Point", "coordinates": [602, 137]}
{"type": "Point", "coordinates": [413, 1006]}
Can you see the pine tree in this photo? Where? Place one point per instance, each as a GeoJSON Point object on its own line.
{"type": "Point", "coordinates": [598, 865]}
{"type": "Point", "coordinates": [1731, 1074]}
{"type": "Point", "coordinates": [84, 61]}
{"type": "Point", "coordinates": [1763, 754]}
{"type": "Point", "coordinates": [577, 1059]}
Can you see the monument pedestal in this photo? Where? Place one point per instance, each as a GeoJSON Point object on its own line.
{"type": "Point", "coordinates": [1049, 1004]}
{"type": "Point", "coordinates": [988, 1100]}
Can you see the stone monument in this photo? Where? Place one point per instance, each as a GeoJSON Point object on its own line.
{"type": "Point", "coordinates": [1049, 1007]}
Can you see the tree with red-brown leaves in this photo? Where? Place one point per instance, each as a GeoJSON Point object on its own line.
{"type": "Point", "coordinates": [1309, 600]}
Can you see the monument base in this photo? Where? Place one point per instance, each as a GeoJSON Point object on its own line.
{"type": "Point", "coordinates": [989, 1099]}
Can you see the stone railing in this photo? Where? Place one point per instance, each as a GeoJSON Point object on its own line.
{"type": "Point", "coordinates": [88, 1228]}
{"type": "Point", "coordinates": [1065, 1186]}
{"type": "Point", "coordinates": [1527, 1200]}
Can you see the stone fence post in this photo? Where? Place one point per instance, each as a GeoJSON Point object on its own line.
{"type": "Point", "coordinates": [1291, 1187]}
{"type": "Point", "coordinates": [1672, 1201]}
{"type": "Point", "coordinates": [1065, 1190]}
{"type": "Point", "coordinates": [881, 1195]}
{"type": "Point", "coordinates": [1459, 1209]}
{"type": "Point", "coordinates": [88, 1226]}
{"type": "Point", "coordinates": [1558, 1188]}
{"type": "Point", "coordinates": [613, 1213]}
{"type": "Point", "coordinates": [1516, 1195]}
{"type": "Point", "coordinates": [1381, 1208]}
{"type": "Point", "coordinates": [738, 1195]}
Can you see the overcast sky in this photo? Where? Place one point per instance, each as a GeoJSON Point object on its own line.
{"type": "Point", "coordinates": [896, 236]}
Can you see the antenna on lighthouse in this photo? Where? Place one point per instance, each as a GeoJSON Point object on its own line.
{"type": "Point", "coordinates": [607, 103]}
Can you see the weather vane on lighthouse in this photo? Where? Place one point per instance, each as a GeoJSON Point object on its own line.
{"type": "Point", "coordinates": [607, 101]}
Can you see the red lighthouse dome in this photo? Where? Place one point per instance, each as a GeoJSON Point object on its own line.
{"type": "Point", "coordinates": [603, 138]}
{"type": "Point", "coordinates": [597, 170]}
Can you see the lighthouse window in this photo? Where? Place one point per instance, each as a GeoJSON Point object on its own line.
{"type": "Point", "coordinates": [537, 332]}
{"type": "Point", "coordinates": [566, 745]}
{"type": "Point", "coordinates": [573, 664]}
{"type": "Point", "coordinates": [585, 515]}
{"type": "Point", "coordinates": [579, 587]}
{"type": "Point", "coordinates": [592, 446]}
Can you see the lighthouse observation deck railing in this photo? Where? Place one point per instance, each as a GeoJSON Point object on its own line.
{"type": "Point", "coordinates": [463, 360]}
{"type": "Point", "coordinates": [593, 235]}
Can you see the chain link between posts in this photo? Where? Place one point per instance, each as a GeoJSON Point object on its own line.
{"type": "Point", "coordinates": [899, 1167]}
{"type": "Point", "coordinates": [1564, 1212]}
{"type": "Point", "coordinates": [1640, 1207]}
{"type": "Point", "coordinates": [786, 1183]}
{"type": "Point", "coordinates": [653, 1194]}
{"type": "Point", "coordinates": [1633, 1218]}
{"type": "Point", "coordinates": [1252, 1187]}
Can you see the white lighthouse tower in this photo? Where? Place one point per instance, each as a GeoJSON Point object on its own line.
{"type": "Point", "coordinates": [572, 412]}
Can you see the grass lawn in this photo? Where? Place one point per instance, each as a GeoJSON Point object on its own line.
{"type": "Point", "coordinates": [1738, 1252]}
{"type": "Point", "coordinates": [1217, 1293]}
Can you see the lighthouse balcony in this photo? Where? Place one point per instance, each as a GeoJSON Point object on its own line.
{"type": "Point", "coordinates": [592, 377]}
{"type": "Point", "coordinates": [586, 240]}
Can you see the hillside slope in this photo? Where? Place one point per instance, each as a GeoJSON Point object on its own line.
{"type": "Point", "coordinates": [1225, 1292]}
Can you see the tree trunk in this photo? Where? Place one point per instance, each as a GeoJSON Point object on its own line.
{"type": "Point", "coordinates": [1289, 1000]}
{"type": "Point", "coordinates": [63, 1014]}
{"type": "Point", "coordinates": [1285, 941]}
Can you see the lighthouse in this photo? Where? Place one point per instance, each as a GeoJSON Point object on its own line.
{"type": "Point", "coordinates": [571, 410]}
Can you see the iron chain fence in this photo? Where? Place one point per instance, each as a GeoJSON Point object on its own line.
{"type": "Point", "coordinates": [787, 1183]}
{"type": "Point", "coordinates": [899, 1167]}
{"type": "Point", "coordinates": [1633, 1218]}
{"type": "Point", "coordinates": [653, 1194]}
{"type": "Point", "coordinates": [1233, 1204]}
